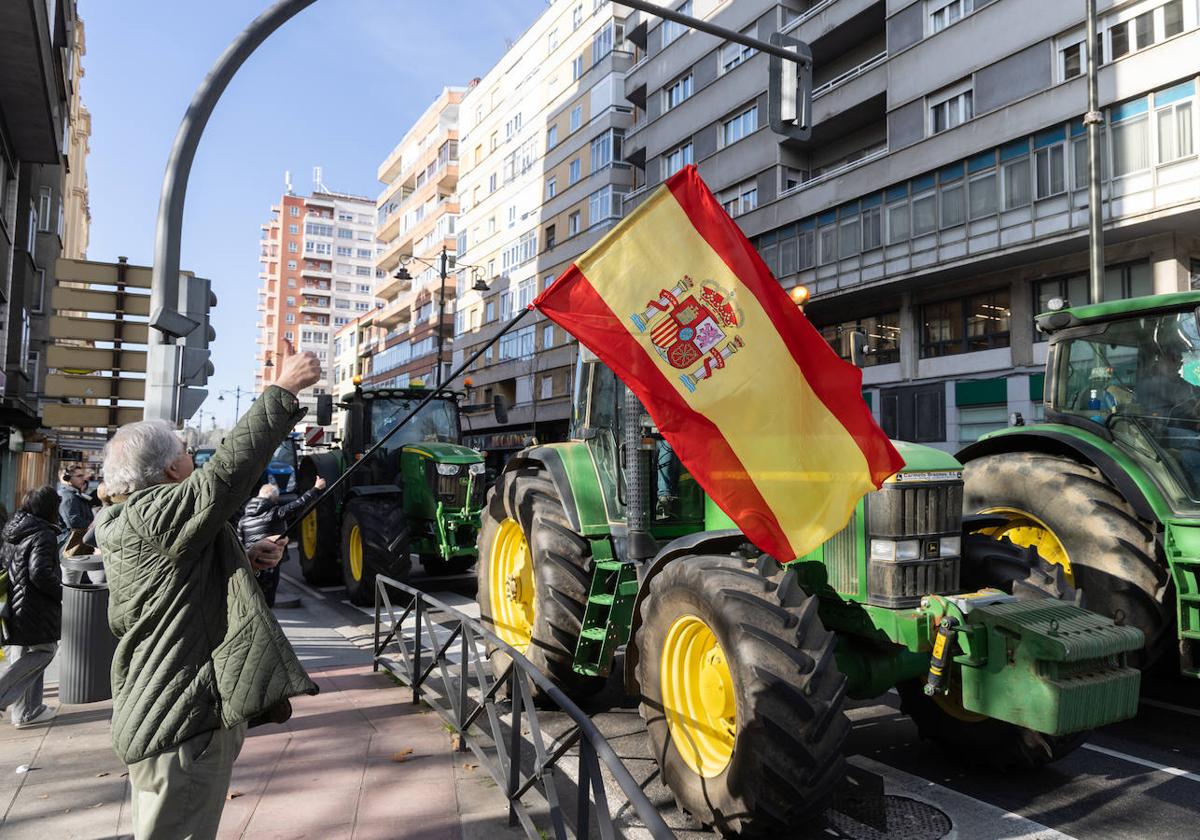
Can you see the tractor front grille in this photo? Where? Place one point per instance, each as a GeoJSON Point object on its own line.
{"type": "Point", "coordinates": [840, 553]}
{"type": "Point", "coordinates": [451, 490]}
{"type": "Point", "coordinates": [919, 510]}
{"type": "Point", "coordinates": [923, 512]}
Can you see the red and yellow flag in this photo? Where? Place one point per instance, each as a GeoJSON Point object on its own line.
{"type": "Point", "coordinates": [759, 408]}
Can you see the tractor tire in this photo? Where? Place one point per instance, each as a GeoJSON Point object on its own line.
{"type": "Point", "coordinates": [962, 735]}
{"type": "Point", "coordinates": [319, 534]}
{"type": "Point", "coordinates": [1114, 561]}
{"type": "Point", "coordinates": [779, 759]}
{"type": "Point", "coordinates": [534, 573]}
{"type": "Point", "coordinates": [437, 567]}
{"type": "Point", "coordinates": [368, 526]}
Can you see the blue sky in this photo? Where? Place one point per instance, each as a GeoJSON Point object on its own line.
{"type": "Point", "coordinates": [364, 70]}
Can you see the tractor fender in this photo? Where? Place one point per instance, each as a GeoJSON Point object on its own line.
{"type": "Point", "coordinates": [553, 460]}
{"type": "Point", "coordinates": [1049, 442]}
{"type": "Point", "coordinates": [704, 542]}
{"type": "Point", "coordinates": [326, 465]}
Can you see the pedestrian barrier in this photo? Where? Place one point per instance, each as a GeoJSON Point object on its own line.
{"type": "Point", "coordinates": [464, 692]}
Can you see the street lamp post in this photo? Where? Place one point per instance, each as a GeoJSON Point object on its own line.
{"type": "Point", "coordinates": [237, 401]}
{"type": "Point", "coordinates": [1093, 119]}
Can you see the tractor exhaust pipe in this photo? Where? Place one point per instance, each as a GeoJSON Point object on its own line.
{"type": "Point", "coordinates": [641, 545]}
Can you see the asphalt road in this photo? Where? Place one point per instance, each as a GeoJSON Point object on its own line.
{"type": "Point", "coordinates": [1136, 780]}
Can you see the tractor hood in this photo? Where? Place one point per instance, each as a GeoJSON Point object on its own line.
{"type": "Point", "coordinates": [923, 459]}
{"type": "Point", "coordinates": [444, 453]}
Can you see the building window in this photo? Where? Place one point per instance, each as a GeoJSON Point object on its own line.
{"type": "Point", "coordinates": [675, 160]}
{"type": "Point", "coordinates": [872, 226]}
{"type": "Point", "coordinates": [883, 338]}
{"type": "Point", "coordinates": [551, 137]}
{"type": "Point", "coordinates": [607, 148]}
{"type": "Point", "coordinates": [291, 264]}
{"type": "Point", "coordinates": [924, 208]}
{"type": "Point", "coordinates": [827, 241]}
{"type": "Point", "coordinates": [981, 186]}
{"type": "Point", "coordinates": [943, 13]}
{"type": "Point", "coordinates": [965, 325]}
{"type": "Point", "coordinates": [577, 68]}
{"type": "Point", "coordinates": [574, 171]}
{"type": "Point", "coordinates": [898, 221]}
{"type": "Point", "coordinates": [952, 199]}
{"type": "Point", "coordinates": [604, 205]}
{"type": "Point", "coordinates": [551, 187]}
{"type": "Point", "coordinates": [735, 128]}
{"type": "Point", "coordinates": [551, 238]}
{"type": "Point", "coordinates": [950, 108]}
{"type": "Point", "coordinates": [547, 336]}
{"type": "Point", "coordinates": [574, 222]}
{"type": "Point", "coordinates": [576, 117]}
{"type": "Point", "coordinates": [1174, 124]}
{"type": "Point", "coordinates": [741, 199]}
{"type": "Point", "coordinates": [577, 16]}
{"type": "Point", "coordinates": [39, 292]}
{"type": "Point", "coordinates": [45, 209]}
{"type": "Point", "coordinates": [672, 30]}
{"type": "Point", "coordinates": [1017, 177]}
{"type": "Point", "coordinates": [1143, 25]}
{"type": "Point", "coordinates": [734, 54]}
{"type": "Point", "coordinates": [677, 91]}
{"type": "Point", "coordinates": [290, 318]}
{"type": "Point", "coordinates": [294, 210]}
{"type": "Point", "coordinates": [493, 182]}
{"type": "Point", "coordinates": [1050, 170]}
{"type": "Point", "coordinates": [1130, 138]}
{"type": "Point", "coordinates": [610, 37]}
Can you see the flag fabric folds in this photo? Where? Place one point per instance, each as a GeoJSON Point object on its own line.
{"type": "Point", "coordinates": [758, 407]}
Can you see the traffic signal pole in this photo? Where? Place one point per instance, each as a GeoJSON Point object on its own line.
{"type": "Point", "coordinates": [167, 323]}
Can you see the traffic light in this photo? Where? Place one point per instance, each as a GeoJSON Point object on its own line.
{"type": "Point", "coordinates": [789, 89]}
{"type": "Point", "coordinates": [193, 364]}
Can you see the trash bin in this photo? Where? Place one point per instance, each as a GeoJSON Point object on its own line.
{"type": "Point", "coordinates": [86, 653]}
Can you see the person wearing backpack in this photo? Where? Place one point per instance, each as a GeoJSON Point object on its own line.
{"type": "Point", "coordinates": [33, 620]}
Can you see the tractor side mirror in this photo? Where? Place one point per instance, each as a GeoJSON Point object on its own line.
{"type": "Point", "coordinates": [859, 348]}
{"type": "Point", "coordinates": [500, 408]}
{"type": "Point", "coordinates": [324, 409]}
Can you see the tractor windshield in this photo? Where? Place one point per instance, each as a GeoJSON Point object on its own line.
{"type": "Point", "coordinates": [437, 421]}
{"type": "Point", "coordinates": [1140, 379]}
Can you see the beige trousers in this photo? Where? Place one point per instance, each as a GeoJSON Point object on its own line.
{"type": "Point", "coordinates": [179, 794]}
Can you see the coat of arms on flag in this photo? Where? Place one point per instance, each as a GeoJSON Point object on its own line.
{"type": "Point", "coordinates": [687, 330]}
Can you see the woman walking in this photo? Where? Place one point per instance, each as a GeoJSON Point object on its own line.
{"type": "Point", "coordinates": [33, 624]}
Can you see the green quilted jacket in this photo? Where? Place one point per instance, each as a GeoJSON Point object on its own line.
{"type": "Point", "coordinates": [198, 647]}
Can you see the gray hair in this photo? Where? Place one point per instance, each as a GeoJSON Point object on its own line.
{"type": "Point", "coordinates": [138, 456]}
{"type": "Point", "coordinates": [268, 491]}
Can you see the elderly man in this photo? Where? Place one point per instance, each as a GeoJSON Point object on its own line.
{"type": "Point", "coordinates": [199, 655]}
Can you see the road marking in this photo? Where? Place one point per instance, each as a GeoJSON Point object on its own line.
{"type": "Point", "coordinates": [972, 818]}
{"type": "Point", "coordinates": [1145, 762]}
{"type": "Point", "coordinates": [1171, 707]}
{"type": "Point", "coordinates": [303, 587]}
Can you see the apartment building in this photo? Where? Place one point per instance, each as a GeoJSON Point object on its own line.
{"type": "Point", "coordinates": [39, 76]}
{"type": "Point", "coordinates": [416, 214]}
{"type": "Point", "coordinates": [317, 274]}
{"type": "Point", "coordinates": [942, 198]}
{"type": "Point", "coordinates": [541, 180]}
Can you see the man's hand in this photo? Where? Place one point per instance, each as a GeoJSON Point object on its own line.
{"type": "Point", "coordinates": [267, 553]}
{"type": "Point", "coordinates": [300, 371]}
{"type": "Point", "coordinates": [319, 484]}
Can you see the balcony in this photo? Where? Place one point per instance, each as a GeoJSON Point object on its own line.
{"type": "Point", "coordinates": [317, 305]}
{"type": "Point", "coordinates": [390, 287]}
{"type": "Point", "coordinates": [395, 313]}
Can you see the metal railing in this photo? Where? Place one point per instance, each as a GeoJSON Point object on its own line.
{"type": "Point", "coordinates": [446, 663]}
{"type": "Point", "coordinates": [837, 81]}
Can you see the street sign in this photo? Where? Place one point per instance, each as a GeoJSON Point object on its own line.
{"type": "Point", "coordinates": [313, 435]}
{"type": "Point", "coordinates": [56, 415]}
{"type": "Point", "coordinates": [94, 387]}
{"type": "Point", "coordinates": [86, 300]}
{"type": "Point", "coordinates": [94, 329]}
{"type": "Point", "coordinates": [92, 359]}
{"type": "Point", "coordinates": [101, 274]}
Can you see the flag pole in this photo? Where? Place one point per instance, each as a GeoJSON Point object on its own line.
{"type": "Point", "coordinates": [516, 319]}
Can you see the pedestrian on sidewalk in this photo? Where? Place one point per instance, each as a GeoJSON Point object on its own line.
{"type": "Point", "coordinates": [200, 657]}
{"type": "Point", "coordinates": [33, 624]}
{"type": "Point", "coordinates": [75, 510]}
{"type": "Point", "coordinates": [265, 517]}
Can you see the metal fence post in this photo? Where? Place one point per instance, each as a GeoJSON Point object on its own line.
{"type": "Point", "coordinates": [515, 742]}
{"type": "Point", "coordinates": [378, 649]}
{"type": "Point", "coordinates": [416, 674]}
{"type": "Point", "coordinates": [464, 672]}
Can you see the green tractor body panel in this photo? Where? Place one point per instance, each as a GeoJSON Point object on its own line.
{"type": "Point", "coordinates": [1114, 309]}
{"type": "Point", "coordinates": [441, 492]}
{"type": "Point", "coordinates": [576, 474]}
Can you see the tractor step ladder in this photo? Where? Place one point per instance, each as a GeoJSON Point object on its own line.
{"type": "Point", "coordinates": [609, 611]}
{"type": "Point", "coordinates": [1187, 604]}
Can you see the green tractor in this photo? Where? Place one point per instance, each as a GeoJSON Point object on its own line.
{"type": "Point", "coordinates": [1108, 487]}
{"type": "Point", "coordinates": [742, 664]}
{"type": "Point", "coordinates": [420, 495]}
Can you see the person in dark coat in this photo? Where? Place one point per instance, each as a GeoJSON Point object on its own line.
{"type": "Point", "coordinates": [75, 510]}
{"type": "Point", "coordinates": [265, 517]}
{"type": "Point", "coordinates": [33, 624]}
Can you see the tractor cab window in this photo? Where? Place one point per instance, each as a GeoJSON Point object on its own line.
{"type": "Point", "coordinates": [437, 421]}
{"type": "Point", "coordinates": [1139, 378]}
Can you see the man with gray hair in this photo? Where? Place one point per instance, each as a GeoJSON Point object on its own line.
{"type": "Point", "coordinates": [199, 656]}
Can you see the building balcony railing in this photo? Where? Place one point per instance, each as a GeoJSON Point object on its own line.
{"type": "Point", "coordinates": [389, 287]}
{"type": "Point", "coordinates": [853, 73]}
{"type": "Point", "coordinates": [395, 313]}
{"type": "Point", "coordinates": [825, 175]}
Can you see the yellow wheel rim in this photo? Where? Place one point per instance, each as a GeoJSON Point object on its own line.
{"type": "Point", "coordinates": [356, 553]}
{"type": "Point", "coordinates": [1025, 529]}
{"type": "Point", "coordinates": [308, 534]}
{"type": "Point", "coordinates": [698, 696]}
{"type": "Point", "coordinates": [511, 590]}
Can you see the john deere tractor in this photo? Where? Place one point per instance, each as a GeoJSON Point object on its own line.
{"type": "Point", "coordinates": [1108, 487]}
{"type": "Point", "coordinates": [743, 664]}
{"type": "Point", "coordinates": [421, 495]}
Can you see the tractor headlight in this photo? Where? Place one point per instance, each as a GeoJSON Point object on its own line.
{"type": "Point", "coordinates": [447, 469]}
{"type": "Point", "coordinates": [951, 546]}
{"type": "Point", "coordinates": [894, 550]}
{"type": "Point", "coordinates": [476, 469]}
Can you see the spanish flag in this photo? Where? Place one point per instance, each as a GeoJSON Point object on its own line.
{"type": "Point", "coordinates": [758, 407]}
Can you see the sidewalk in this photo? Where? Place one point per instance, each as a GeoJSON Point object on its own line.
{"type": "Point", "coordinates": [356, 761]}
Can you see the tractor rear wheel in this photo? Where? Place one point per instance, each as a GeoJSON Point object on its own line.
{"type": "Point", "coordinates": [741, 696]}
{"type": "Point", "coordinates": [966, 736]}
{"type": "Point", "coordinates": [367, 529]}
{"type": "Point", "coordinates": [533, 573]}
{"type": "Point", "coordinates": [320, 536]}
{"type": "Point", "coordinates": [1076, 519]}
